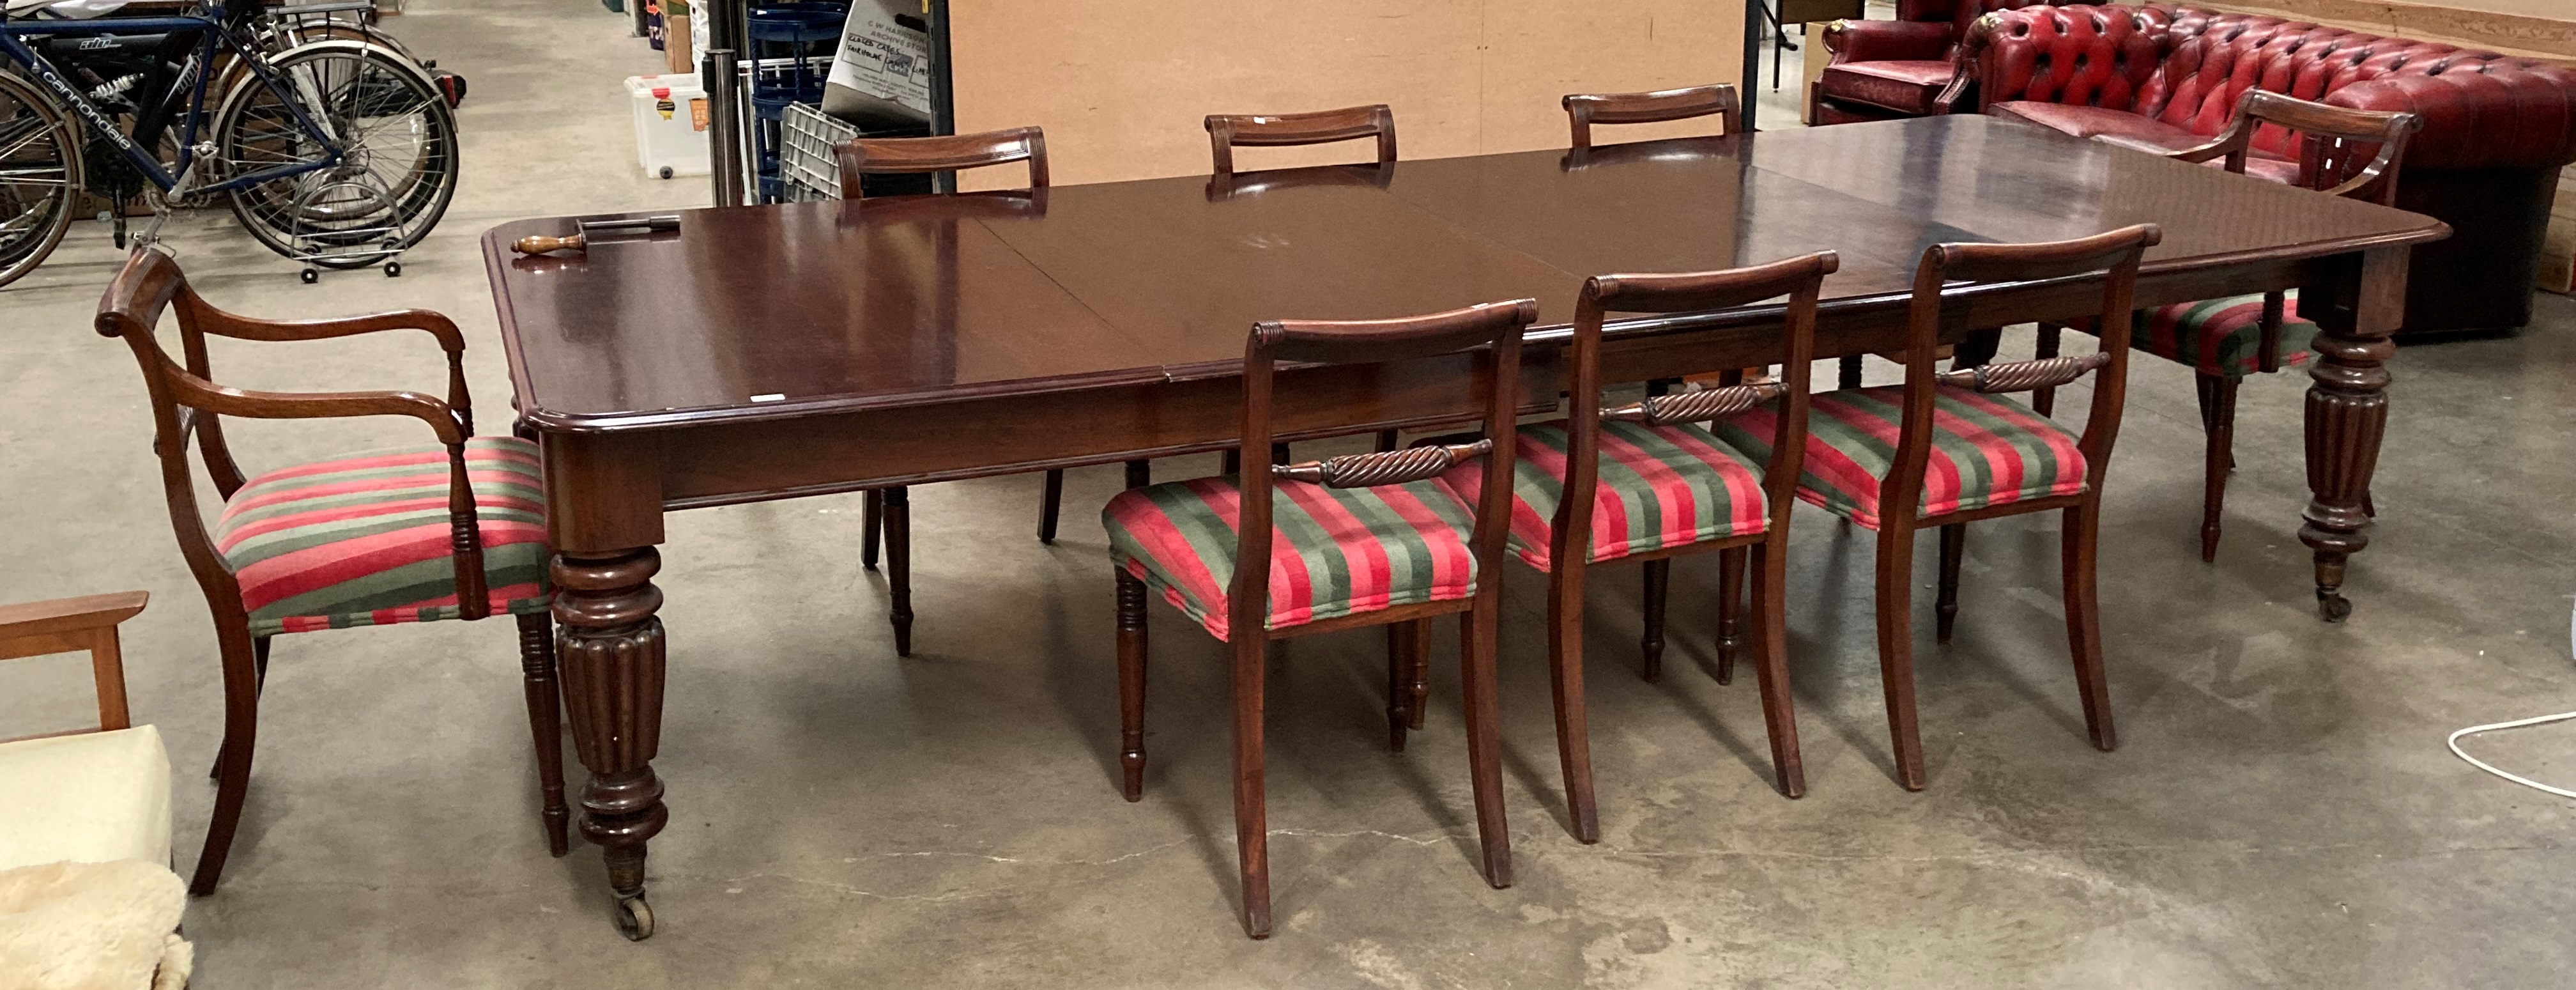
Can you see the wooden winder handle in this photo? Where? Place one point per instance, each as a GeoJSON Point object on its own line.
{"type": "Point", "coordinates": [541, 245]}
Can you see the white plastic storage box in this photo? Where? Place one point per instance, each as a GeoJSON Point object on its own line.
{"type": "Point", "coordinates": [670, 124]}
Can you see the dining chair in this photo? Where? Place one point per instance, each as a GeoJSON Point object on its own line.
{"type": "Point", "coordinates": [455, 530]}
{"type": "Point", "coordinates": [1943, 450]}
{"type": "Point", "coordinates": [1643, 482]}
{"type": "Point", "coordinates": [1356, 540]}
{"type": "Point", "coordinates": [2342, 152]}
{"type": "Point", "coordinates": [1583, 110]}
{"type": "Point", "coordinates": [886, 513]}
{"type": "Point", "coordinates": [1285, 130]}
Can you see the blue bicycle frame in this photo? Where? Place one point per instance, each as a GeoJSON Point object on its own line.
{"type": "Point", "coordinates": [211, 32]}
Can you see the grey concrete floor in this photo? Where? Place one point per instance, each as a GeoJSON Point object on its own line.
{"type": "Point", "coordinates": [2281, 811]}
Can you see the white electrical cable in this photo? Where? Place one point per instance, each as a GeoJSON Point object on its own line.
{"type": "Point", "coordinates": [2515, 724]}
{"type": "Point", "coordinates": [2454, 741]}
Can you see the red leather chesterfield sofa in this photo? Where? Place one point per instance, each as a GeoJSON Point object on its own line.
{"type": "Point", "coordinates": [1884, 70]}
{"type": "Point", "coordinates": [2496, 129]}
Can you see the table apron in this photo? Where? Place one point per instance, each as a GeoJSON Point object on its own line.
{"type": "Point", "coordinates": [606, 491]}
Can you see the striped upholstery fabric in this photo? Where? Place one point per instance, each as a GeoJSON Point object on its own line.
{"type": "Point", "coordinates": [363, 540]}
{"type": "Point", "coordinates": [1336, 552]}
{"type": "Point", "coordinates": [2218, 336]}
{"type": "Point", "coordinates": [1986, 451]}
{"type": "Point", "coordinates": [1661, 486]}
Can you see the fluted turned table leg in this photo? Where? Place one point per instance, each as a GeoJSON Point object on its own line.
{"type": "Point", "coordinates": [2347, 411]}
{"type": "Point", "coordinates": [611, 652]}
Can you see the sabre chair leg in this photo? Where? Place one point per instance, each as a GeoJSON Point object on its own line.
{"type": "Point", "coordinates": [871, 526]}
{"type": "Point", "coordinates": [1945, 606]}
{"type": "Point", "coordinates": [2044, 400]}
{"type": "Point", "coordinates": [1131, 685]}
{"type": "Point", "coordinates": [259, 682]}
{"type": "Point", "coordinates": [1388, 440]}
{"type": "Point", "coordinates": [1850, 377]}
{"type": "Point", "coordinates": [1730, 611]}
{"type": "Point", "coordinates": [898, 556]}
{"type": "Point", "coordinates": [2084, 623]}
{"type": "Point", "coordinates": [1251, 813]}
{"type": "Point", "coordinates": [1651, 642]}
{"type": "Point", "coordinates": [1050, 502]}
{"type": "Point", "coordinates": [1565, 683]}
{"type": "Point", "coordinates": [1232, 463]}
{"type": "Point", "coordinates": [1896, 648]}
{"type": "Point", "coordinates": [1771, 664]}
{"type": "Point", "coordinates": [2220, 421]}
{"type": "Point", "coordinates": [241, 733]}
{"type": "Point", "coordinates": [545, 724]}
{"type": "Point", "coordinates": [1476, 636]}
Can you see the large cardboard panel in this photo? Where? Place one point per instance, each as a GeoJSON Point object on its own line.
{"type": "Point", "coordinates": [1121, 88]}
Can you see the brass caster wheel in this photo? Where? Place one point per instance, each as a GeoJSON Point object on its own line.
{"type": "Point", "coordinates": [634, 918]}
{"type": "Point", "coordinates": [2333, 606]}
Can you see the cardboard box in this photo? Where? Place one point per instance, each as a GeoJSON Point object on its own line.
{"type": "Point", "coordinates": [882, 75]}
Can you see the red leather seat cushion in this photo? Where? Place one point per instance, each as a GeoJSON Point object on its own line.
{"type": "Point", "coordinates": [1905, 87]}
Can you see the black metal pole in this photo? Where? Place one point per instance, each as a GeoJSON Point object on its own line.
{"type": "Point", "coordinates": [720, 74]}
{"type": "Point", "coordinates": [943, 94]}
{"type": "Point", "coordinates": [1755, 12]}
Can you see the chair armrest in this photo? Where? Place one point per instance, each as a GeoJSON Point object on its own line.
{"type": "Point", "coordinates": [435, 324]}
{"type": "Point", "coordinates": [1882, 41]}
{"type": "Point", "coordinates": [63, 615]}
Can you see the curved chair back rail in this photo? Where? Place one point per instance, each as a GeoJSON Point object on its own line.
{"type": "Point", "coordinates": [1225, 131]}
{"type": "Point", "coordinates": [1582, 110]}
{"type": "Point", "coordinates": [2342, 151]}
{"type": "Point", "coordinates": [946, 153]}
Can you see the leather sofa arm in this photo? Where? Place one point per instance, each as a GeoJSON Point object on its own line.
{"type": "Point", "coordinates": [2480, 111]}
{"type": "Point", "coordinates": [1883, 41]}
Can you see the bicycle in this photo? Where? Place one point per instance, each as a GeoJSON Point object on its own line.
{"type": "Point", "coordinates": [337, 153]}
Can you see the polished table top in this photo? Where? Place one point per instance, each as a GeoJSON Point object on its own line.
{"type": "Point", "coordinates": [846, 305]}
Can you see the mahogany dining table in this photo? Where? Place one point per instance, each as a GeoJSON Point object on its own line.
{"type": "Point", "coordinates": [778, 351]}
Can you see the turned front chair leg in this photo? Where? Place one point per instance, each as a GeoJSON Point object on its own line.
{"type": "Point", "coordinates": [545, 724]}
{"type": "Point", "coordinates": [2219, 456]}
{"type": "Point", "coordinates": [1945, 607]}
{"type": "Point", "coordinates": [1421, 681]}
{"type": "Point", "coordinates": [871, 526]}
{"type": "Point", "coordinates": [1131, 684]}
{"type": "Point", "coordinates": [1050, 501]}
{"type": "Point", "coordinates": [1730, 611]}
{"type": "Point", "coordinates": [898, 555]}
{"type": "Point", "coordinates": [1399, 683]}
{"type": "Point", "coordinates": [1651, 642]}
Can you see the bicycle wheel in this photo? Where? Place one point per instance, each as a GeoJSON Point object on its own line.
{"type": "Point", "coordinates": [397, 169]}
{"type": "Point", "coordinates": [40, 176]}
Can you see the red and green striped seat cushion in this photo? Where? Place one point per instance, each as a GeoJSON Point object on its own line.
{"type": "Point", "coordinates": [1336, 552]}
{"type": "Point", "coordinates": [1660, 487]}
{"type": "Point", "coordinates": [2218, 336]}
{"type": "Point", "coordinates": [1986, 451]}
{"type": "Point", "coordinates": [363, 540]}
